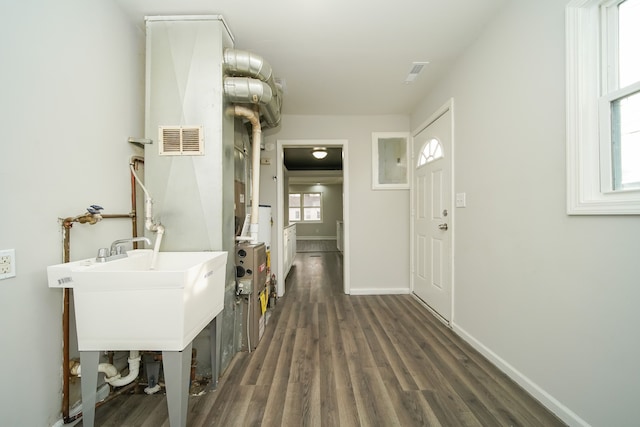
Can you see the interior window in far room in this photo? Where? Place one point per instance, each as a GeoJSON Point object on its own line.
{"type": "Point", "coordinates": [305, 207]}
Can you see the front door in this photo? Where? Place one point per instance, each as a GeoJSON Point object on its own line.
{"type": "Point", "coordinates": [432, 216]}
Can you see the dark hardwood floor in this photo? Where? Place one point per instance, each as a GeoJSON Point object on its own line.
{"type": "Point", "coordinates": [329, 359]}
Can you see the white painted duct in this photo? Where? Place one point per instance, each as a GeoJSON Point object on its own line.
{"type": "Point", "coordinates": [247, 64]}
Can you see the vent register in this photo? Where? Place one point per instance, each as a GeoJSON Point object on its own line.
{"type": "Point", "coordinates": [181, 141]}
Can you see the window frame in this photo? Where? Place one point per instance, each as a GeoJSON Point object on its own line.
{"type": "Point", "coordinates": [376, 138]}
{"type": "Point", "coordinates": [589, 176]}
{"type": "Point", "coordinates": [302, 207]}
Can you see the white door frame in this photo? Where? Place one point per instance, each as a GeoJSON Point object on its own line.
{"type": "Point", "coordinates": [281, 144]}
{"type": "Point", "coordinates": [448, 106]}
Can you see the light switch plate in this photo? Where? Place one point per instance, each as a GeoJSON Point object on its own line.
{"type": "Point", "coordinates": [461, 200]}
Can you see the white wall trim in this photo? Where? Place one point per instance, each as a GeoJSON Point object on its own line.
{"type": "Point", "coordinates": [298, 237]}
{"type": "Point", "coordinates": [525, 382]}
{"type": "Point", "coordinates": [380, 291]}
{"type": "Point", "coordinates": [281, 143]}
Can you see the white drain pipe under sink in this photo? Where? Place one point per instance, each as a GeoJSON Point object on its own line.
{"type": "Point", "coordinates": [111, 374]}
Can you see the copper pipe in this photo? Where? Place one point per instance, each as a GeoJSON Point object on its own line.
{"type": "Point", "coordinates": [67, 223]}
{"type": "Point", "coordinates": [111, 216]}
{"type": "Point", "coordinates": [134, 199]}
{"type": "Point", "coordinates": [65, 325]}
{"type": "Point", "coordinates": [134, 219]}
{"type": "Point", "coordinates": [65, 354]}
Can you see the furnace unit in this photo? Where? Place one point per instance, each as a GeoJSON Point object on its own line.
{"type": "Point", "coordinates": [251, 277]}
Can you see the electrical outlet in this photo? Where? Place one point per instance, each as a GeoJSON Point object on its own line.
{"type": "Point", "coordinates": [7, 263]}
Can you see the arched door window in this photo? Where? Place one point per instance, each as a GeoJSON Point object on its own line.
{"type": "Point", "coordinates": [431, 150]}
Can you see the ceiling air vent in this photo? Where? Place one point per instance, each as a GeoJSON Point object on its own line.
{"type": "Point", "coordinates": [181, 141]}
{"type": "Point", "coordinates": [416, 68]}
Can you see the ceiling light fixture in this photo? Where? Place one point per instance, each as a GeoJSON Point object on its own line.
{"type": "Point", "coordinates": [319, 153]}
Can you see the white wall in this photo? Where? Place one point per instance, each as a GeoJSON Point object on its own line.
{"type": "Point", "coordinates": [378, 226]}
{"type": "Point", "coordinates": [331, 211]}
{"type": "Point", "coordinates": [72, 95]}
{"type": "Point", "coordinates": [553, 298]}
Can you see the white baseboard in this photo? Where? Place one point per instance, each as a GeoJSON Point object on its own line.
{"type": "Point", "coordinates": [316, 238]}
{"type": "Point", "coordinates": [564, 413]}
{"type": "Point", "coordinates": [379, 291]}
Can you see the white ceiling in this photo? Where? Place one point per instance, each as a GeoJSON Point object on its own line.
{"type": "Point", "coordinates": [344, 56]}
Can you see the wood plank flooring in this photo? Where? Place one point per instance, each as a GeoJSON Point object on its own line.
{"type": "Point", "coordinates": [305, 246]}
{"type": "Point", "coordinates": [329, 359]}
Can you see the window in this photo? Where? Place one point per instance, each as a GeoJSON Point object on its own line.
{"type": "Point", "coordinates": [305, 207]}
{"type": "Point", "coordinates": [432, 150]}
{"type": "Point", "coordinates": [603, 107]}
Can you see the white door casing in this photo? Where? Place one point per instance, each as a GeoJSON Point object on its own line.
{"type": "Point", "coordinates": [280, 146]}
{"type": "Point", "coordinates": [432, 213]}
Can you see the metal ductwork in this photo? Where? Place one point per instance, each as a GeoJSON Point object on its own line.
{"type": "Point", "coordinates": [251, 81]}
{"type": "Point", "coordinates": [247, 90]}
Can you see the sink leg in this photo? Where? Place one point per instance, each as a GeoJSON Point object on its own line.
{"type": "Point", "coordinates": [177, 369]}
{"type": "Point", "coordinates": [213, 330]}
{"type": "Point", "coordinates": [89, 383]}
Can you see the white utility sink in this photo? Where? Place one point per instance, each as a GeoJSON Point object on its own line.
{"type": "Point", "coordinates": [122, 305]}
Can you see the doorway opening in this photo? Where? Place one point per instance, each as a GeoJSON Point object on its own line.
{"type": "Point", "coordinates": [305, 183]}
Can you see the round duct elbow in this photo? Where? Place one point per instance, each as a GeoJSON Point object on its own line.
{"type": "Point", "coordinates": [247, 64]}
{"type": "Point", "coordinates": [247, 91]}
{"type": "Point", "coordinates": [271, 112]}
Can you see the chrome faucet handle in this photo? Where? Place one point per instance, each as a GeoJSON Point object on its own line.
{"type": "Point", "coordinates": [103, 254]}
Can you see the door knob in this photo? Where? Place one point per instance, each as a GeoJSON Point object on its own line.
{"type": "Point", "coordinates": [443, 226]}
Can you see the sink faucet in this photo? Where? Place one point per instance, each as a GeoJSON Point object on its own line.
{"type": "Point", "coordinates": [116, 248]}
{"type": "Point", "coordinates": [115, 252]}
